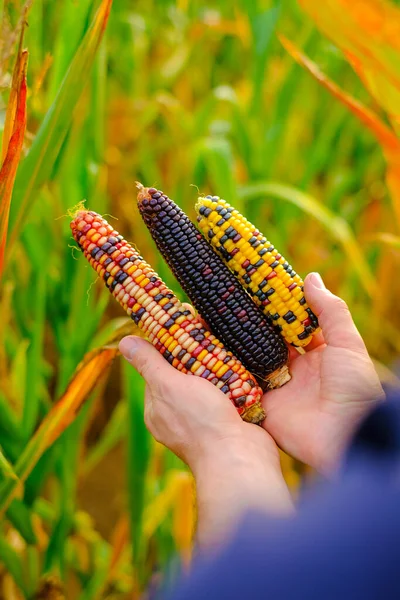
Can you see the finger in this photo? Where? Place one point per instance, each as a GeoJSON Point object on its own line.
{"type": "Point", "coordinates": [293, 353]}
{"type": "Point", "coordinates": [317, 341]}
{"type": "Point", "coordinates": [146, 360]}
{"type": "Point", "coordinates": [334, 317]}
{"type": "Point", "coordinates": [188, 306]}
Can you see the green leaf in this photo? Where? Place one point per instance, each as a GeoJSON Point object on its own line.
{"type": "Point", "coordinates": [13, 564]}
{"type": "Point", "coordinates": [138, 458]}
{"type": "Point", "coordinates": [19, 515]}
{"type": "Point", "coordinates": [263, 26]}
{"type": "Point", "coordinates": [39, 163]}
{"type": "Point", "coordinates": [34, 354]}
{"type": "Point", "coordinates": [6, 468]}
{"type": "Point", "coordinates": [216, 153]}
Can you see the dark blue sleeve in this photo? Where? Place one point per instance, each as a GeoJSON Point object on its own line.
{"type": "Point", "coordinates": [343, 544]}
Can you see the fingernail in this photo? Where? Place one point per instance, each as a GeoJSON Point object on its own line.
{"type": "Point", "coordinates": [128, 347]}
{"type": "Point", "coordinates": [316, 280]}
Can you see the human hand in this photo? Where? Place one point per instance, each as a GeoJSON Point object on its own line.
{"type": "Point", "coordinates": [334, 384]}
{"type": "Point", "coordinates": [236, 464]}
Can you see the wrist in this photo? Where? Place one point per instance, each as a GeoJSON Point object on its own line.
{"type": "Point", "coordinates": [234, 479]}
{"type": "Point", "coordinates": [234, 459]}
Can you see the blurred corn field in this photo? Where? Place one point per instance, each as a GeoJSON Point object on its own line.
{"type": "Point", "coordinates": [289, 110]}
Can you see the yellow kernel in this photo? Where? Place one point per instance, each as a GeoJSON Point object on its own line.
{"type": "Point", "coordinates": [202, 355]}
{"type": "Point", "coordinates": [164, 338]}
{"type": "Point", "coordinates": [172, 345]}
{"type": "Point", "coordinates": [195, 366]}
{"type": "Point", "coordinates": [217, 366]}
{"type": "Point", "coordinates": [297, 293]}
{"type": "Point", "coordinates": [174, 329]}
{"type": "Point", "coordinates": [222, 370]}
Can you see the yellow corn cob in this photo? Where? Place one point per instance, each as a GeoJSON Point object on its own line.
{"type": "Point", "coordinates": [266, 275]}
{"type": "Point", "coordinates": [178, 335]}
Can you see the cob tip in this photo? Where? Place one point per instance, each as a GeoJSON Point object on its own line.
{"type": "Point", "coordinates": [199, 203]}
{"type": "Point", "coordinates": [143, 193]}
{"type": "Point", "coordinates": [73, 212]}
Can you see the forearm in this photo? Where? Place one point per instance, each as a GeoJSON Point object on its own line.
{"type": "Point", "coordinates": [232, 484]}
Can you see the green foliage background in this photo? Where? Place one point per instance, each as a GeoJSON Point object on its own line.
{"type": "Point", "coordinates": [181, 95]}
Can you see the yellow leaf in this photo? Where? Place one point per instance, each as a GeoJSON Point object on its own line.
{"type": "Point", "coordinates": [369, 32]}
{"type": "Point", "coordinates": [183, 518]}
{"type": "Point", "coordinates": [156, 512]}
{"type": "Point", "coordinates": [387, 138]}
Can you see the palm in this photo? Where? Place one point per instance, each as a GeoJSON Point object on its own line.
{"type": "Point", "coordinates": [313, 416]}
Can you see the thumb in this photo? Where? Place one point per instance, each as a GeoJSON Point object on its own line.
{"type": "Point", "coordinates": [145, 359]}
{"type": "Point", "coordinates": [333, 315]}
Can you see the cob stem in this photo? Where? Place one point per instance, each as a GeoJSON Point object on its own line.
{"type": "Point", "coordinates": [278, 378]}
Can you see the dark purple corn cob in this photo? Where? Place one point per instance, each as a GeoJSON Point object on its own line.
{"type": "Point", "coordinates": [215, 292]}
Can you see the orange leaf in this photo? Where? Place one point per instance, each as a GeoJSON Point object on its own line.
{"type": "Point", "coordinates": [387, 138]}
{"type": "Point", "coordinates": [119, 542]}
{"type": "Point", "coordinates": [368, 31]}
{"type": "Point", "coordinates": [13, 139]}
{"type": "Point", "coordinates": [62, 414]}
{"type": "Point", "coordinates": [81, 386]}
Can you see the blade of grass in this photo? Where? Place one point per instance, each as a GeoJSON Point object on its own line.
{"type": "Point", "coordinates": [14, 565]}
{"type": "Point", "coordinates": [32, 398]}
{"type": "Point", "coordinates": [63, 413]}
{"type": "Point", "coordinates": [38, 165]}
{"type": "Point", "coordinates": [218, 158]}
{"type": "Point", "coordinates": [388, 239]}
{"type": "Point", "coordinates": [72, 28]}
{"type": "Point", "coordinates": [138, 460]}
{"type": "Point", "coordinates": [183, 518]}
{"type": "Point", "coordinates": [368, 32]}
{"type": "Point", "coordinates": [13, 139]}
{"type": "Point", "coordinates": [263, 25]}
{"type": "Point", "coordinates": [336, 225]}
{"type": "Point", "coordinates": [156, 512]}
{"type": "Point", "coordinates": [20, 517]}
{"type": "Point", "coordinates": [388, 140]}
{"type": "Point", "coordinates": [6, 468]}
{"type": "Point", "coordinates": [384, 134]}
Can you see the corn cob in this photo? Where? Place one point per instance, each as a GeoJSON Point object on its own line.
{"type": "Point", "coordinates": [266, 275]}
{"type": "Point", "coordinates": [180, 337]}
{"type": "Point", "coordinates": [214, 291]}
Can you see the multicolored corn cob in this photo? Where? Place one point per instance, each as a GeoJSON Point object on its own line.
{"type": "Point", "coordinates": [175, 332]}
{"type": "Point", "coordinates": [267, 276]}
{"type": "Point", "coordinates": [218, 296]}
